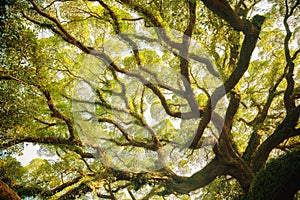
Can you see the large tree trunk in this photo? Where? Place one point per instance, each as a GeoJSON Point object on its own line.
{"type": "Point", "coordinates": [6, 193]}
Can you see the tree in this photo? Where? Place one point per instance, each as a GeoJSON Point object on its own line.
{"type": "Point", "coordinates": [139, 101]}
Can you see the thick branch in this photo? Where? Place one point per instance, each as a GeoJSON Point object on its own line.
{"type": "Point", "coordinates": [172, 182]}
{"type": "Point", "coordinates": [7, 193]}
{"type": "Point", "coordinates": [46, 140]}
{"type": "Point", "coordinates": [224, 11]}
{"type": "Point", "coordinates": [284, 131]}
{"type": "Point", "coordinates": [74, 146]}
{"type": "Point", "coordinates": [199, 179]}
{"type": "Point", "coordinates": [77, 191]}
{"type": "Point", "coordinates": [248, 46]}
{"type": "Point", "coordinates": [35, 191]}
{"type": "Point", "coordinates": [226, 152]}
{"type": "Point", "coordinates": [61, 187]}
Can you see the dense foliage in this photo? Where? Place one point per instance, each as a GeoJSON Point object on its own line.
{"type": "Point", "coordinates": [150, 99]}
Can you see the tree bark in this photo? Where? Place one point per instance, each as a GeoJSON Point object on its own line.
{"type": "Point", "coordinates": [284, 131]}
{"type": "Point", "coordinates": [6, 193]}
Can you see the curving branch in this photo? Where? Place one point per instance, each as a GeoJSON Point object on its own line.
{"type": "Point", "coordinates": [286, 129]}
{"type": "Point", "coordinates": [59, 115]}
{"type": "Point", "coordinates": [127, 136]}
{"type": "Point", "coordinates": [70, 39]}
{"type": "Point", "coordinates": [207, 62]}
{"type": "Point", "coordinates": [257, 122]}
{"type": "Point", "coordinates": [184, 62]}
{"type": "Point", "coordinates": [248, 46]}
{"type": "Point", "coordinates": [289, 101]}
{"type": "Point", "coordinates": [61, 187]}
{"type": "Point", "coordinates": [225, 148]}
{"type": "Point", "coordinates": [184, 185]}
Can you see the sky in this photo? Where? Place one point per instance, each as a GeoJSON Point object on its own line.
{"type": "Point", "coordinates": [29, 153]}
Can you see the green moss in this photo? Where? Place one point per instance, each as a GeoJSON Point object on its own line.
{"type": "Point", "coordinates": [272, 182]}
